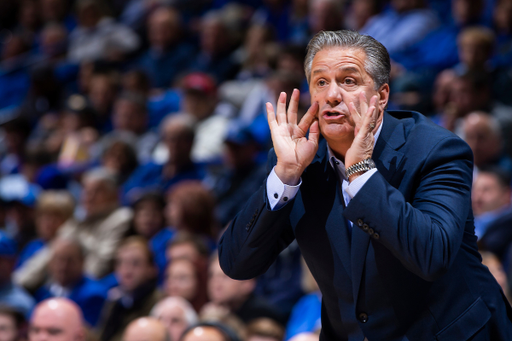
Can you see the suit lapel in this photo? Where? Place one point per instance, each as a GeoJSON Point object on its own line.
{"type": "Point", "coordinates": [387, 160]}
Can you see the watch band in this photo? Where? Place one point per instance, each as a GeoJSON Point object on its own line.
{"type": "Point", "coordinates": [361, 166]}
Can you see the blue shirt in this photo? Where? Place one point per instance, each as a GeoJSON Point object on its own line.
{"type": "Point", "coordinates": [29, 250]}
{"type": "Point", "coordinates": [18, 298]}
{"type": "Point", "coordinates": [305, 315]}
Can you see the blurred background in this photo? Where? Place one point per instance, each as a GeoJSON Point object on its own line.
{"type": "Point", "coordinates": [132, 132]}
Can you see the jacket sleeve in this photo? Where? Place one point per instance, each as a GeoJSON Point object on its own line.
{"type": "Point", "coordinates": [425, 233]}
{"type": "Point", "coordinates": [256, 236]}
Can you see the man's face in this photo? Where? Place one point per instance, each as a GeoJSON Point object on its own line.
{"type": "Point", "coordinates": [66, 264]}
{"type": "Point", "coordinates": [8, 329]}
{"type": "Point", "coordinates": [128, 116]}
{"type": "Point", "coordinates": [174, 319]}
{"type": "Point", "coordinates": [97, 197]}
{"type": "Point", "coordinates": [222, 289]}
{"type": "Point", "coordinates": [337, 78]}
{"type": "Point", "coordinates": [488, 194]}
{"type": "Point", "coordinates": [51, 326]}
{"type": "Point", "coordinates": [181, 279]}
{"type": "Point", "coordinates": [132, 267]}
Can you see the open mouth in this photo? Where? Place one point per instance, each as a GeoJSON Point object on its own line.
{"type": "Point", "coordinates": [332, 114]}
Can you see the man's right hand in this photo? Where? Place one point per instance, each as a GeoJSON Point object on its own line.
{"type": "Point", "coordinates": [294, 151]}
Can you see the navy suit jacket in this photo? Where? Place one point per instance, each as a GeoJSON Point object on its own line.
{"type": "Point", "coordinates": [409, 269]}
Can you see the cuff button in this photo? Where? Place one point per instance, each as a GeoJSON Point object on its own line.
{"type": "Point", "coordinates": [285, 199]}
{"type": "Point", "coordinates": [275, 195]}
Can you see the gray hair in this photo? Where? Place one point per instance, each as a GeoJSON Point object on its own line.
{"type": "Point", "coordinates": [103, 175]}
{"type": "Point", "coordinates": [377, 63]}
{"type": "Point", "coordinates": [188, 311]}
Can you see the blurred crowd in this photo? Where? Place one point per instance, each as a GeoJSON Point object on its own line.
{"type": "Point", "coordinates": [132, 131]}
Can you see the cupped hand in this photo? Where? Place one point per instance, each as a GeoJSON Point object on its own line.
{"type": "Point", "coordinates": [365, 120]}
{"type": "Point", "coordinates": [294, 150]}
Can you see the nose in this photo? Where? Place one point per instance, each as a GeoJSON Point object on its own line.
{"type": "Point", "coordinates": [334, 97]}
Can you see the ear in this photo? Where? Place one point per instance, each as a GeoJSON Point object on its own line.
{"type": "Point", "coordinates": [383, 96]}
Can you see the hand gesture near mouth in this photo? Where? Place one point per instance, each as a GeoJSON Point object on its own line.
{"type": "Point", "coordinates": [366, 120]}
{"type": "Point", "coordinates": [293, 149]}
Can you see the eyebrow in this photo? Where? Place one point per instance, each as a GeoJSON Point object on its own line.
{"type": "Point", "coordinates": [342, 68]}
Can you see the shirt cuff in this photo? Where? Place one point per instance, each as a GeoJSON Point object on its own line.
{"type": "Point", "coordinates": [278, 193]}
{"type": "Point", "coordinates": [354, 187]}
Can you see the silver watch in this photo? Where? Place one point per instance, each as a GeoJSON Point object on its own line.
{"type": "Point", "coordinates": [360, 167]}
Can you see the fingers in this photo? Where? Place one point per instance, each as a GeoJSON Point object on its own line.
{"type": "Point", "coordinates": [314, 132]}
{"type": "Point", "coordinates": [271, 115]}
{"type": "Point", "coordinates": [370, 119]}
{"type": "Point", "coordinates": [281, 108]}
{"type": "Point", "coordinates": [363, 104]}
{"type": "Point", "coordinates": [293, 107]}
{"type": "Point", "coordinates": [309, 117]}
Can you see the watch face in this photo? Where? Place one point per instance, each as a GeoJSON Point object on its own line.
{"type": "Point", "coordinates": [371, 163]}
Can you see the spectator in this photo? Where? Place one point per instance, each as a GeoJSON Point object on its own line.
{"type": "Point", "coordinates": [66, 279]}
{"type": "Point", "coordinates": [168, 54]}
{"type": "Point", "coordinates": [136, 293]}
{"type": "Point", "coordinates": [146, 329]}
{"type": "Point", "coordinates": [99, 231]}
{"type": "Point", "coordinates": [178, 136]}
{"type": "Point", "coordinates": [212, 118]}
{"type": "Point", "coordinates": [325, 15]}
{"type": "Point", "coordinates": [104, 223]}
{"type": "Point", "coordinates": [441, 96]}
{"type": "Point", "coordinates": [53, 43]}
{"type": "Point", "coordinates": [496, 268]}
{"type": "Point", "coordinates": [149, 222]}
{"type": "Point", "coordinates": [13, 326]}
{"type": "Point", "coordinates": [209, 332]}
{"type": "Point", "coordinates": [471, 92]}
{"type": "Point", "coordinates": [176, 313]}
{"type": "Point", "coordinates": [130, 121]}
{"type": "Point", "coordinates": [438, 50]}
{"type": "Point", "coordinates": [361, 11]}
{"type": "Point", "coordinates": [53, 209]}
{"type": "Point", "coordinates": [236, 296]}
{"type": "Point", "coordinates": [264, 329]}
{"type": "Point", "coordinates": [216, 45]}
{"type": "Point", "coordinates": [482, 133]}
{"type": "Point", "coordinates": [490, 198]}
{"type": "Point", "coordinates": [16, 133]}
{"type": "Point", "coordinates": [120, 158]}
{"type": "Point", "coordinates": [186, 245]}
{"type": "Point", "coordinates": [240, 177]}
{"type": "Point", "coordinates": [102, 91]}
{"type": "Point", "coordinates": [98, 36]}
{"type": "Point", "coordinates": [405, 23]}
{"type": "Point", "coordinates": [57, 11]}
{"type": "Point", "coordinates": [187, 280]}
{"type": "Point", "coordinates": [190, 208]}
{"type": "Point", "coordinates": [11, 294]}
{"type": "Point", "coordinates": [57, 319]}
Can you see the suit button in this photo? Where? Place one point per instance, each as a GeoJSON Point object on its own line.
{"type": "Point", "coordinates": [365, 227]}
{"type": "Point", "coordinates": [370, 231]}
{"type": "Point", "coordinates": [359, 222]}
{"type": "Point", "coordinates": [362, 317]}
{"type": "Point", "coordinates": [376, 235]}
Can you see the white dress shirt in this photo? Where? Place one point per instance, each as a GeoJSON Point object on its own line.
{"type": "Point", "coordinates": [279, 193]}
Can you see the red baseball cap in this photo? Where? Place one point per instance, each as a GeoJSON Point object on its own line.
{"type": "Point", "coordinates": [200, 82]}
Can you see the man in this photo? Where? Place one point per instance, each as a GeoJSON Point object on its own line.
{"type": "Point", "coordinates": [136, 293]}
{"type": "Point", "coordinates": [99, 232]}
{"type": "Point", "coordinates": [178, 137]}
{"type": "Point", "coordinates": [57, 319]}
{"type": "Point", "coordinates": [146, 329]}
{"type": "Point", "coordinates": [237, 297]}
{"type": "Point", "coordinates": [12, 295]}
{"type": "Point", "coordinates": [176, 313]}
{"type": "Point", "coordinates": [390, 244]}
{"type": "Point", "coordinates": [66, 279]}
{"type": "Point", "coordinates": [490, 198]}
{"type": "Point", "coordinates": [12, 324]}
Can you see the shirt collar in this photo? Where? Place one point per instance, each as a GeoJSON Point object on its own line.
{"type": "Point", "coordinates": [338, 164]}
